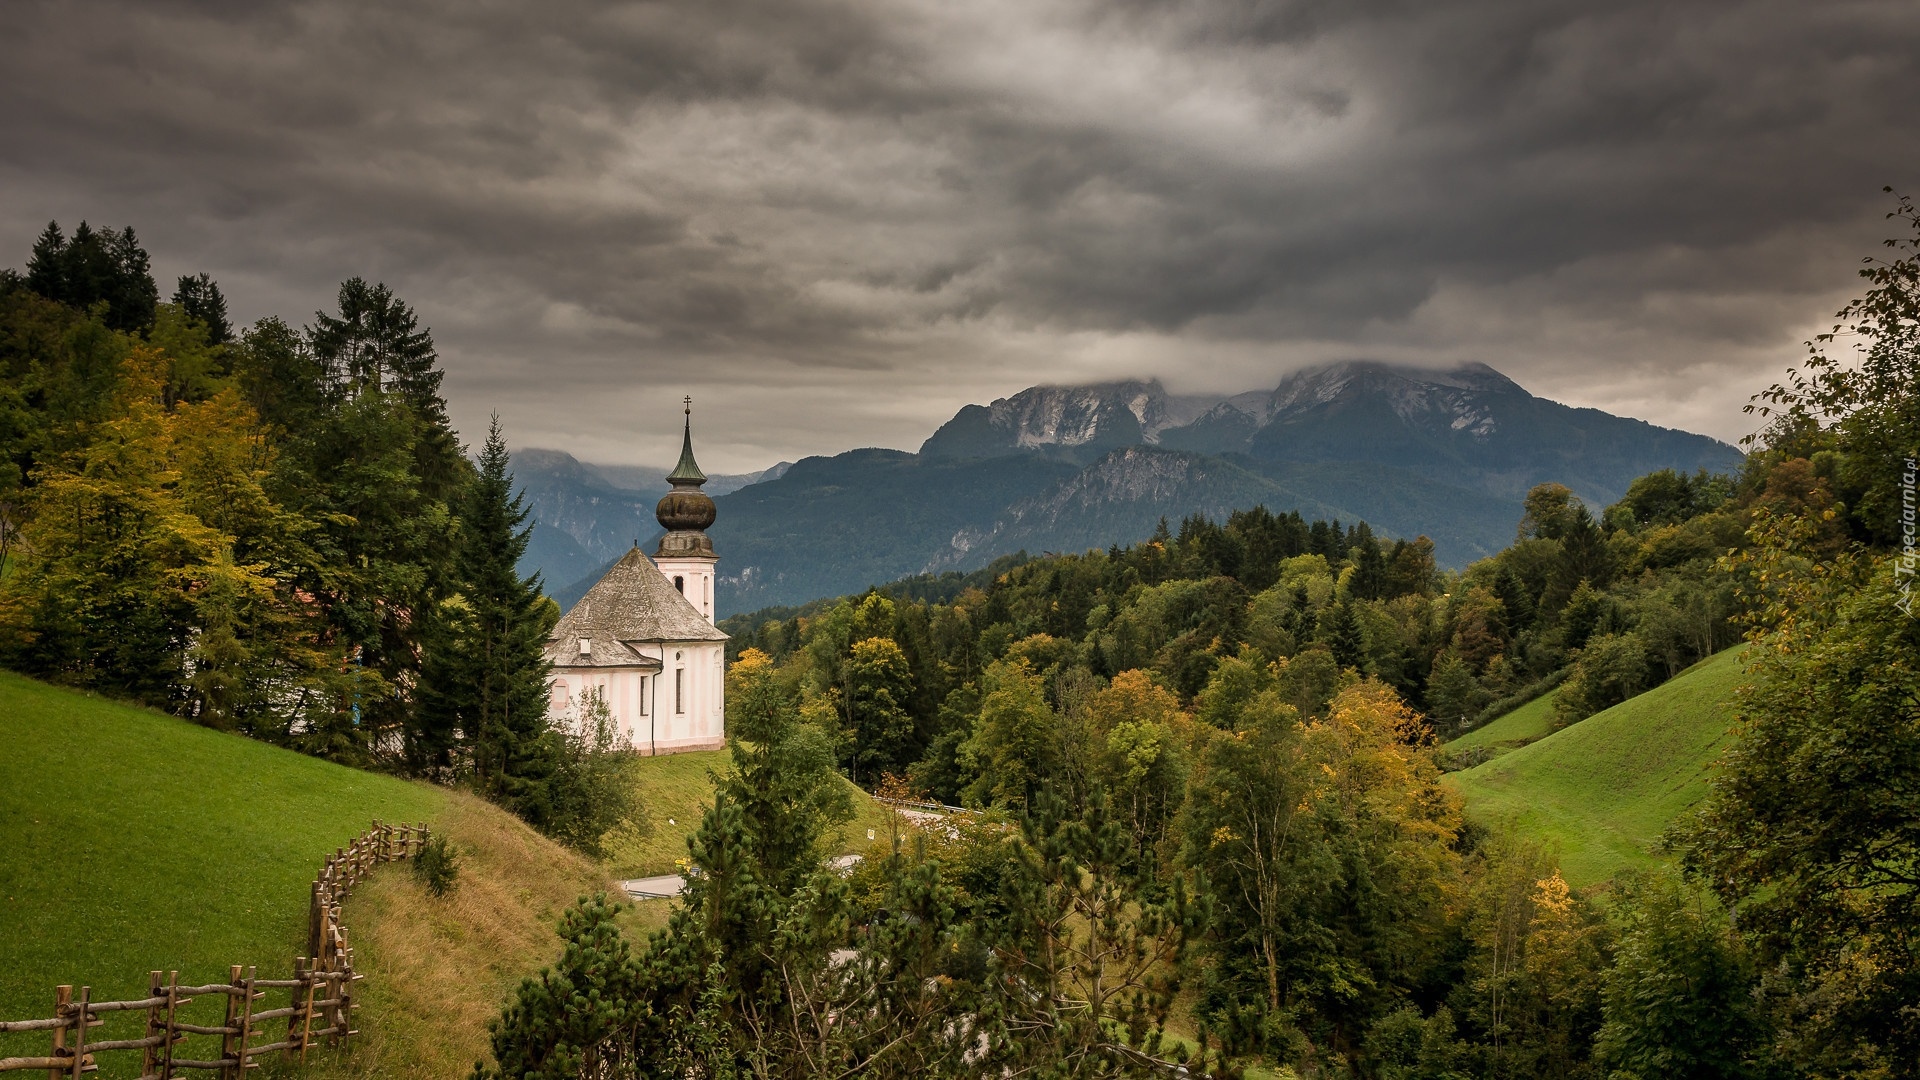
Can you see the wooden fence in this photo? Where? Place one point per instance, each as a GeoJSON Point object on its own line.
{"type": "Point", "coordinates": [319, 995]}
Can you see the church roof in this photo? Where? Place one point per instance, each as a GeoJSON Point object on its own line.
{"type": "Point", "coordinates": [634, 602]}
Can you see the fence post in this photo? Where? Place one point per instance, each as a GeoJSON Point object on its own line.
{"type": "Point", "coordinates": [230, 1041]}
{"type": "Point", "coordinates": [80, 1032]}
{"type": "Point", "coordinates": [62, 995]}
{"type": "Point", "coordinates": [346, 999]}
{"type": "Point", "coordinates": [306, 1012]}
{"type": "Point", "coordinates": [155, 985]}
{"type": "Point", "coordinates": [246, 1022]}
{"type": "Point", "coordinates": [173, 1005]}
{"type": "Point", "coordinates": [313, 919]}
{"type": "Point", "coordinates": [293, 1003]}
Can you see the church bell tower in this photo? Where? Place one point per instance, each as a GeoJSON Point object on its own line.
{"type": "Point", "coordinates": [685, 555]}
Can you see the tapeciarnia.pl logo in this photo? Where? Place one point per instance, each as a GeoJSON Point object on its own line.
{"type": "Point", "coordinates": [1904, 567]}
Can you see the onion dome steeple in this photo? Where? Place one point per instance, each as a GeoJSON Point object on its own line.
{"type": "Point", "coordinates": [686, 511]}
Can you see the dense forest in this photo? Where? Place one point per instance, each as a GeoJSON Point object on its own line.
{"type": "Point", "coordinates": [272, 530]}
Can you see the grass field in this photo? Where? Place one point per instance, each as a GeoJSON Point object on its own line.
{"type": "Point", "coordinates": [135, 841]}
{"type": "Point", "coordinates": [676, 790]}
{"type": "Point", "coordinates": [1509, 731]}
{"type": "Point", "coordinates": [1604, 789]}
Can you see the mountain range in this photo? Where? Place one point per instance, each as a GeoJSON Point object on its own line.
{"type": "Point", "coordinates": [1446, 454]}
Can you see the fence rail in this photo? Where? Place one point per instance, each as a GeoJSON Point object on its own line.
{"type": "Point", "coordinates": [319, 998]}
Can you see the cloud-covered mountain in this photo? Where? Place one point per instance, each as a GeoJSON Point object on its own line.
{"type": "Point", "coordinates": [1446, 454]}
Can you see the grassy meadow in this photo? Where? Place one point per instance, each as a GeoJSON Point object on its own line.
{"type": "Point", "coordinates": [137, 841]}
{"type": "Point", "coordinates": [1509, 731]}
{"type": "Point", "coordinates": [1604, 789]}
{"type": "Point", "coordinates": [676, 789]}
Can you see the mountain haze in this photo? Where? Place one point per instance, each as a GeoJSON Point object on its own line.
{"type": "Point", "coordinates": [1448, 454]}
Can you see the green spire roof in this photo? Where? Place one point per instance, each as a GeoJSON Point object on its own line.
{"type": "Point", "coordinates": [687, 472]}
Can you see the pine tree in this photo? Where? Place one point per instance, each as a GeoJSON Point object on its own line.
{"type": "Point", "coordinates": [375, 346]}
{"type": "Point", "coordinates": [131, 295]}
{"type": "Point", "coordinates": [47, 269]}
{"type": "Point", "coordinates": [486, 676]}
{"type": "Point", "coordinates": [199, 296]}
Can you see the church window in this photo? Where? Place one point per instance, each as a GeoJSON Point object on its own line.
{"type": "Point", "coordinates": [562, 697]}
{"type": "Point", "coordinates": [680, 585]}
{"type": "Point", "coordinates": [679, 690]}
{"type": "Point", "coordinates": [643, 695]}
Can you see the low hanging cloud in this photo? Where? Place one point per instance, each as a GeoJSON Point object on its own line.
{"type": "Point", "coordinates": [836, 222]}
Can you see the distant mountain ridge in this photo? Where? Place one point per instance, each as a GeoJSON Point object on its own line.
{"type": "Point", "coordinates": [1444, 453]}
{"type": "Point", "coordinates": [586, 516]}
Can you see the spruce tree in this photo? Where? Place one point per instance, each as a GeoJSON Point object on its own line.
{"type": "Point", "coordinates": [486, 677]}
{"type": "Point", "coordinates": [46, 268]}
{"type": "Point", "coordinates": [199, 296]}
{"type": "Point", "coordinates": [384, 473]}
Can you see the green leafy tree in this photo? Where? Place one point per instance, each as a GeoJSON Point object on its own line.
{"type": "Point", "coordinates": [1680, 996]}
{"type": "Point", "coordinates": [879, 684]}
{"type": "Point", "coordinates": [591, 792]}
{"type": "Point", "coordinates": [1014, 745]}
{"type": "Point", "coordinates": [1808, 834]}
{"type": "Point", "coordinates": [1326, 846]}
{"type": "Point", "coordinates": [1868, 400]}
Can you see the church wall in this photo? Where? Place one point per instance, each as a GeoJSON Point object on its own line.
{"type": "Point", "coordinates": [642, 702]}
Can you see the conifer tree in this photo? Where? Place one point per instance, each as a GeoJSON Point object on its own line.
{"type": "Point", "coordinates": [486, 674]}
{"type": "Point", "coordinates": [382, 471]}
{"type": "Point", "coordinates": [199, 296]}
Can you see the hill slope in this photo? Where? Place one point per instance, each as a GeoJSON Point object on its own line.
{"type": "Point", "coordinates": [1605, 788]}
{"type": "Point", "coordinates": [138, 841]}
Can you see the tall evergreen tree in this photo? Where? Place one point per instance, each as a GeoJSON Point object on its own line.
{"type": "Point", "coordinates": [375, 343]}
{"type": "Point", "coordinates": [375, 346]}
{"type": "Point", "coordinates": [382, 472]}
{"type": "Point", "coordinates": [46, 268]}
{"type": "Point", "coordinates": [93, 266]}
{"type": "Point", "coordinates": [199, 296]}
{"type": "Point", "coordinates": [485, 679]}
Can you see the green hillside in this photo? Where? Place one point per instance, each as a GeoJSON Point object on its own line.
{"type": "Point", "coordinates": [1509, 731]}
{"type": "Point", "coordinates": [138, 841]}
{"type": "Point", "coordinates": [1605, 788]}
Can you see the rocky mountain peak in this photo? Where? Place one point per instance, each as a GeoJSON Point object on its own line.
{"type": "Point", "coordinates": [1094, 415]}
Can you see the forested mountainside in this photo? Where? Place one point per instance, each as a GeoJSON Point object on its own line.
{"type": "Point", "coordinates": [1444, 454]}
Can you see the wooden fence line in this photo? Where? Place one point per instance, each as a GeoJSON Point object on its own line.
{"type": "Point", "coordinates": [320, 994]}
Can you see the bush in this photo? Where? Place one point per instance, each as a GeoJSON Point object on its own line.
{"type": "Point", "coordinates": [591, 792]}
{"type": "Point", "coordinates": [1611, 669]}
{"type": "Point", "coordinates": [437, 867]}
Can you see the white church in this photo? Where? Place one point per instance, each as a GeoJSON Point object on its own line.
{"type": "Point", "coordinates": [644, 635]}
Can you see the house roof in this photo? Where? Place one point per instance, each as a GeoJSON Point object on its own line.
{"type": "Point", "coordinates": [634, 603]}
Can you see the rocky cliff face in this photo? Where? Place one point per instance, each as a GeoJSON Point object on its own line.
{"type": "Point", "coordinates": [1068, 418]}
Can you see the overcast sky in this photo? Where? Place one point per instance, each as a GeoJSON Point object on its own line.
{"type": "Point", "coordinates": [834, 222]}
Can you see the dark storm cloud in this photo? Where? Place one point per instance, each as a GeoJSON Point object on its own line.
{"type": "Point", "coordinates": [836, 222]}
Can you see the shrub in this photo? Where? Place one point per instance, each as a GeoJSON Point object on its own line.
{"type": "Point", "coordinates": [437, 867]}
